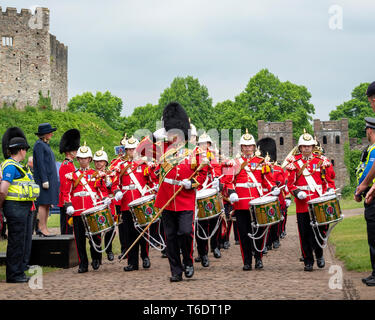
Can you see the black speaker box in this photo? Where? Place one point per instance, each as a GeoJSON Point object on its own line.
{"type": "Point", "coordinates": [58, 251]}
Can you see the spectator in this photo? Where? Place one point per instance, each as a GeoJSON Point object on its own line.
{"type": "Point", "coordinates": [45, 174]}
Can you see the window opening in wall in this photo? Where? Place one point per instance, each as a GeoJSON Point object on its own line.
{"type": "Point", "coordinates": [337, 139]}
{"type": "Point", "coordinates": [324, 140]}
{"type": "Point", "coordinates": [7, 41]}
{"type": "Point", "coordinates": [281, 141]}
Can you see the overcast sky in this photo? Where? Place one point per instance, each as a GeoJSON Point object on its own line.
{"type": "Point", "coordinates": [135, 48]}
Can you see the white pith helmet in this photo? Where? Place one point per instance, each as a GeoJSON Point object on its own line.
{"type": "Point", "coordinates": [204, 138]}
{"type": "Point", "coordinates": [247, 139]}
{"type": "Point", "coordinates": [306, 139]}
{"type": "Point", "coordinates": [131, 143]}
{"type": "Point", "coordinates": [84, 151]}
{"type": "Point", "coordinates": [101, 155]}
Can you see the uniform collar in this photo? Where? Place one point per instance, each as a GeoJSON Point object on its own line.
{"type": "Point", "coordinates": [85, 169]}
{"type": "Point", "coordinates": [308, 158]}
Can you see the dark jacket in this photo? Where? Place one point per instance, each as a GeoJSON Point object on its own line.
{"type": "Point", "coordinates": [45, 170]}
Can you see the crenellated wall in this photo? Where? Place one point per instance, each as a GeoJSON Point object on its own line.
{"type": "Point", "coordinates": [34, 61]}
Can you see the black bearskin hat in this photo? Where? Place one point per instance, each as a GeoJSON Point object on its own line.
{"type": "Point", "coordinates": [13, 132]}
{"type": "Point", "coordinates": [175, 117]}
{"type": "Point", "coordinates": [70, 141]}
{"type": "Point", "coordinates": [268, 145]}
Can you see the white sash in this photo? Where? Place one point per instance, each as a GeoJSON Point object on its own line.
{"type": "Point", "coordinates": [88, 189]}
{"type": "Point", "coordinates": [136, 182]}
{"type": "Point", "coordinates": [310, 180]}
{"type": "Point", "coordinates": [252, 177]}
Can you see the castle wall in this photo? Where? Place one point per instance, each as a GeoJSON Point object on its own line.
{"type": "Point", "coordinates": [25, 66]}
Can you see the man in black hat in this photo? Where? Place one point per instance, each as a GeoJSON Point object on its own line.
{"type": "Point", "coordinates": [45, 175]}
{"type": "Point", "coordinates": [17, 204]}
{"type": "Point", "coordinates": [364, 169]}
{"type": "Point", "coordinates": [69, 144]}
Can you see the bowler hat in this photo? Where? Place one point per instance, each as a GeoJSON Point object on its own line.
{"type": "Point", "coordinates": [371, 89]}
{"type": "Point", "coordinates": [370, 122]}
{"type": "Point", "coordinates": [45, 128]}
{"type": "Point", "coordinates": [18, 142]}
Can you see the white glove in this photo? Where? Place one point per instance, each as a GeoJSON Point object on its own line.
{"type": "Point", "coordinates": [286, 189]}
{"type": "Point", "coordinates": [186, 184]}
{"type": "Point", "coordinates": [107, 201]}
{"type": "Point", "coordinates": [288, 202]}
{"type": "Point", "coordinates": [118, 195]}
{"type": "Point", "coordinates": [69, 210]}
{"type": "Point", "coordinates": [156, 188]}
{"type": "Point", "coordinates": [160, 134]}
{"type": "Point", "coordinates": [234, 197]}
{"type": "Point", "coordinates": [302, 195]}
{"type": "Point", "coordinates": [330, 191]}
{"type": "Point", "coordinates": [215, 184]}
{"type": "Point", "coordinates": [45, 185]}
{"type": "Point", "coordinates": [275, 192]}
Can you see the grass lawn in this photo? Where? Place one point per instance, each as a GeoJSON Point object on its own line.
{"type": "Point", "coordinates": [350, 240]}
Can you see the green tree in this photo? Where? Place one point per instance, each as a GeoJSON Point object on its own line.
{"type": "Point", "coordinates": [104, 105]}
{"type": "Point", "coordinates": [355, 110]}
{"type": "Point", "coordinates": [195, 99]}
{"type": "Point", "coordinates": [267, 98]}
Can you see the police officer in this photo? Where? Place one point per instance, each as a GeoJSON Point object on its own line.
{"type": "Point", "coordinates": [17, 204]}
{"type": "Point", "coordinates": [367, 161]}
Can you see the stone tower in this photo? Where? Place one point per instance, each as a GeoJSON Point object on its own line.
{"type": "Point", "coordinates": [332, 136]}
{"type": "Point", "coordinates": [281, 132]}
{"type": "Point", "coordinates": [31, 60]}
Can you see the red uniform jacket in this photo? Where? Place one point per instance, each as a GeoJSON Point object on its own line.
{"type": "Point", "coordinates": [112, 167]}
{"type": "Point", "coordinates": [127, 185]}
{"type": "Point", "coordinates": [87, 192]}
{"type": "Point", "coordinates": [185, 200]}
{"type": "Point", "coordinates": [280, 178]}
{"type": "Point", "coordinates": [262, 174]}
{"type": "Point", "coordinates": [317, 169]}
{"type": "Point", "coordinates": [66, 167]}
{"type": "Point", "coordinates": [212, 170]}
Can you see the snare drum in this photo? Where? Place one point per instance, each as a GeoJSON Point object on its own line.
{"type": "Point", "coordinates": [325, 209]}
{"type": "Point", "coordinates": [209, 204]}
{"type": "Point", "coordinates": [98, 219]}
{"type": "Point", "coordinates": [266, 210]}
{"type": "Point", "coordinates": [143, 210]}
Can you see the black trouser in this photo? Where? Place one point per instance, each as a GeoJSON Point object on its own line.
{"type": "Point", "coordinates": [273, 234]}
{"type": "Point", "coordinates": [132, 234]}
{"type": "Point", "coordinates": [307, 238]}
{"type": "Point", "coordinates": [228, 208]}
{"type": "Point", "coordinates": [121, 228]}
{"type": "Point", "coordinates": [108, 240]}
{"type": "Point", "coordinates": [204, 230]}
{"type": "Point", "coordinates": [282, 224]}
{"type": "Point", "coordinates": [370, 222]}
{"type": "Point", "coordinates": [246, 243]}
{"type": "Point", "coordinates": [65, 228]}
{"type": "Point", "coordinates": [80, 238]}
{"type": "Point", "coordinates": [20, 230]}
{"type": "Point", "coordinates": [179, 232]}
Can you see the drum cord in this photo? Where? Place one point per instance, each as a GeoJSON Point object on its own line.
{"type": "Point", "coordinates": [161, 244]}
{"type": "Point", "coordinates": [252, 236]}
{"type": "Point", "coordinates": [205, 237]}
{"type": "Point", "coordinates": [325, 240]}
{"type": "Point", "coordinates": [95, 246]}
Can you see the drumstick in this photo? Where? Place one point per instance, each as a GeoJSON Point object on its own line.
{"type": "Point", "coordinates": [213, 182]}
{"type": "Point", "coordinates": [160, 211]}
{"type": "Point", "coordinates": [272, 191]}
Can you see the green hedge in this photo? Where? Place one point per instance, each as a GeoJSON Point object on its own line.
{"type": "Point", "coordinates": [94, 130]}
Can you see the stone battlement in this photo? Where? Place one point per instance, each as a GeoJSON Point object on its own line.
{"type": "Point", "coordinates": [23, 13]}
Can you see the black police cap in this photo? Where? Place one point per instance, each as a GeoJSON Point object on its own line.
{"type": "Point", "coordinates": [371, 90]}
{"type": "Point", "coordinates": [19, 143]}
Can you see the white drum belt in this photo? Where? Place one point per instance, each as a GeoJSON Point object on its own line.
{"type": "Point", "coordinates": [83, 194]}
{"type": "Point", "coordinates": [307, 188]}
{"type": "Point", "coordinates": [129, 187]}
{"type": "Point", "coordinates": [174, 182]}
{"type": "Point", "coordinates": [248, 185]}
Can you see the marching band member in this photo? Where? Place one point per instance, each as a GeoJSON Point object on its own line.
{"type": "Point", "coordinates": [309, 177]}
{"type": "Point", "coordinates": [80, 193]}
{"type": "Point", "coordinates": [69, 144]}
{"type": "Point", "coordinates": [104, 178]}
{"type": "Point", "coordinates": [251, 176]}
{"type": "Point", "coordinates": [133, 181]}
{"type": "Point", "coordinates": [213, 172]}
{"type": "Point", "coordinates": [121, 157]}
{"type": "Point", "coordinates": [177, 170]}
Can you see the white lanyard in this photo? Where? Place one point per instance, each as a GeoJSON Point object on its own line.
{"type": "Point", "coordinates": [309, 179]}
{"type": "Point", "coordinates": [87, 187]}
{"type": "Point", "coordinates": [136, 182]}
{"type": "Point", "coordinates": [252, 177]}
